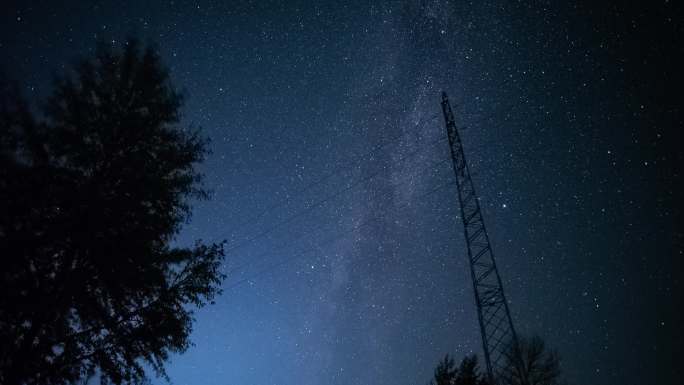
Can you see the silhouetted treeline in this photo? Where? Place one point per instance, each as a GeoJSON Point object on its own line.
{"type": "Point", "coordinates": [466, 373]}
{"type": "Point", "coordinates": [91, 193]}
{"type": "Point", "coordinates": [537, 365]}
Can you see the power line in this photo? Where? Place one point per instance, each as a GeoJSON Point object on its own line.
{"type": "Point", "coordinates": [240, 244]}
{"type": "Point", "coordinates": [330, 240]}
{"type": "Point", "coordinates": [332, 173]}
{"type": "Point", "coordinates": [292, 240]}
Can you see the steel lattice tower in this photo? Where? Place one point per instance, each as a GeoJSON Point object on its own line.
{"type": "Point", "coordinates": [499, 339]}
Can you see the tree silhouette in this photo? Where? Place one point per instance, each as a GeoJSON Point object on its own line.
{"type": "Point", "coordinates": [91, 195]}
{"type": "Point", "coordinates": [537, 366]}
{"type": "Point", "coordinates": [445, 372]}
{"type": "Point", "coordinates": [467, 373]}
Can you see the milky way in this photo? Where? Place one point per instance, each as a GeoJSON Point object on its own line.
{"type": "Point", "coordinates": [331, 184]}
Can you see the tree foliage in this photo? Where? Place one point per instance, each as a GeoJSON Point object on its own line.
{"type": "Point", "coordinates": [92, 194]}
{"type": "Point", "coordinates": [445, 372]}
{"type": "Point", "coordinates": [537, 365]}
{"type": "Point", "coordinates": [467, 373]}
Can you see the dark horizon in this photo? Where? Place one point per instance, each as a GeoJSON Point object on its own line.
{"type": "Point", "coordinates": [571, 121]}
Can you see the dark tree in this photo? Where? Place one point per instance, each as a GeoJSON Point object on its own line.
{"type": "Point", "coordinates": [538, 365]}
{"type": "Point", "coordinates": [467, 373]}
{"type": "Point", "coordinates": [445, 372]}
{"type": "Point", "coordinates": [91, 195]}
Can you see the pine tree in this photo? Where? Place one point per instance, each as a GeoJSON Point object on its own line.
{"type": "Point", "coordinates": [91, 195]}
{"type": "Point", "coordinates": [467, 373]}
{"type": "Point", "coordinates": [538, 366]}
{"type": "Point", "coordinates": [445, 372]}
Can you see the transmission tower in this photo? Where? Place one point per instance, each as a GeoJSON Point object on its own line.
{"type": "Point", "coordinates": [499, 339]}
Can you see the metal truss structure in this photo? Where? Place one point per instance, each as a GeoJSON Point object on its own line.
{"type": "Point", "coordinates": [499, 339]}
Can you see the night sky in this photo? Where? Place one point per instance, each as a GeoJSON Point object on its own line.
{"type": "Point", "coordinates": [331, 181]}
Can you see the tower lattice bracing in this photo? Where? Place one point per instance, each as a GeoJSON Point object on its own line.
{"type": "Point", "coordinates": [499, 339]}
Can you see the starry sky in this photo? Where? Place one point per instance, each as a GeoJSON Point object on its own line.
{"type": "Point", "coordinates": [331, 182]}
